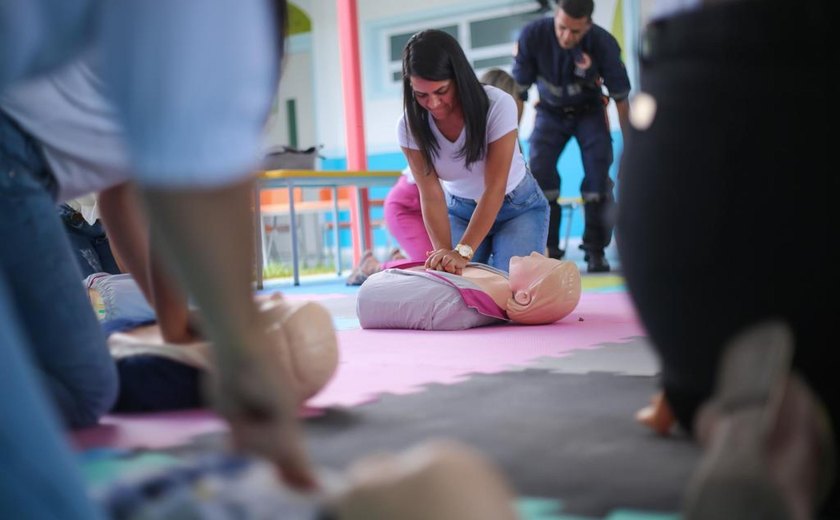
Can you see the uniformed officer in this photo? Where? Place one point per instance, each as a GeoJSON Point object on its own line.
{"type": "Point", "coordinates": [571, 60]}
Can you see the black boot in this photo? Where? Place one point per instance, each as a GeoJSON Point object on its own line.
{"type": "Point", "coordinates": [596, 262]}
{"type": "Point", "coordinates": [556, 253]}
{"type": "Point", "coordinates": [597, 233]}
{"type": "Point", "coordinates": [553, 241]}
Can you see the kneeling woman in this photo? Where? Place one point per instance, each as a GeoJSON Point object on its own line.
{"type": "Point", "coordinates": [460, 139]}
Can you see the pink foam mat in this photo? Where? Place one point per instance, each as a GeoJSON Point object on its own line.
{"type": "Point", "coordinates": [159, 430]}
{"type": "Point", "coordinates": [377, 362]}
{"type": "Point", "coordinates": [313, 297]}
{"type": "Point", "coordinates": [399, 362]}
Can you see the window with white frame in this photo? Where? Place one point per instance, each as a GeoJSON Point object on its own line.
{"type": "Point", "coordinates": [488, 37]}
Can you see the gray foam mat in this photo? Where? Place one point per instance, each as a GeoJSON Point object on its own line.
{"type": "Point", "coordinates": [566, 436]}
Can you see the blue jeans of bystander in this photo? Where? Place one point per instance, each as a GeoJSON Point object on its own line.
{"type": "Point", "coordinates": [39, 477]}
{"type": "Point", "coordinates": [89, 243]}
{"type": "Point", "coordinates": [63, 337]}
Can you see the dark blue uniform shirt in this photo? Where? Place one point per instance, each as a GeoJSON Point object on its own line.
{"type": "Point", "coordinates": [561, 82]}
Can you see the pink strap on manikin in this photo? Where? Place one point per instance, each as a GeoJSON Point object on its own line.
{"type": "Point", "coordinates": [474, 298]}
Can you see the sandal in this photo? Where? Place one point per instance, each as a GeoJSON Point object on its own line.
{"type": "Point", "coordinates": [367, 266]}
{"type": "Point", "coordinates": [397, 254]}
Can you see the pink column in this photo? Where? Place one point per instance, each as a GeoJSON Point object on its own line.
{"type": "Point", "coordinates": [348, 39]}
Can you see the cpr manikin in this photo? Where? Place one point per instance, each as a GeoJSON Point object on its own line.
{"type": "Point", "coordinates": [302, 334]}
{"type": "Point", "coordinates": [539, 290]}
{"type": "Point", "coordinates": [438, 479]}
{"type": "Point", "coordinates": [441, 479]}
{"type": "Point", "coordinates": [544, 290]}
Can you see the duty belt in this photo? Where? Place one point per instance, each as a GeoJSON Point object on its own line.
{"type": "Point", "coordinates": [571, 110]}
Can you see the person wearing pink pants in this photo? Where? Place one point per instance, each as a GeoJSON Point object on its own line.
{"type": "Point", "coordinates": [404, 221]}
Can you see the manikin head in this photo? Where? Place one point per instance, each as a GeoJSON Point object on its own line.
{"type": "Point", "coordinates": [304, 339]}
{"type": "Point", "coordinates": [441, 479]}
{"type": "Point", "coordinates": [544, 289]}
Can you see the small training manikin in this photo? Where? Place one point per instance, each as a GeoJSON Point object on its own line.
{"type": "Point", "coordinates": [442, 479]}
{"type": "Point", "coordinates": [302, 333]}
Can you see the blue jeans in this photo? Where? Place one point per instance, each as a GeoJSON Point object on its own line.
{"type": "Point", "coordinates": [40, 478]}
{"type": "Point", "coordinates": [63, 338]}
{"type": "Point", "coordinates": [520, 228]}
{"type": "Point", "coordinates": [552, 132]}
{"type": "Point", "coordinates": [89, 243]}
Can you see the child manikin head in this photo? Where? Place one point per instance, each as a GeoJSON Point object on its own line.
{"type": "Point", "coordinates": [544, 289]}
{"type": "Point", "coordinates": [441, 479]}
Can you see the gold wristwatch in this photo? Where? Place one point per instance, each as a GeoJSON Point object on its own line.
{"type": "Point", "coordinates": [465, 251]}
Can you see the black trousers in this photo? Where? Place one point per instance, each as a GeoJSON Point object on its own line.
{"type": "Point", "coordinates": [552, 132]}
{"type": "Point", "coordinates": [726, 208]}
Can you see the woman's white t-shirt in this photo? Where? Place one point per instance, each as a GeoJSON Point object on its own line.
{"type": "Point", "coordinates": [456, 177]}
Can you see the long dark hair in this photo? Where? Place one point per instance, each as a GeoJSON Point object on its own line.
{"type": "Point", "coordinates": [436, 56]}
{"type": "Point", "coordinates": [281, 29]}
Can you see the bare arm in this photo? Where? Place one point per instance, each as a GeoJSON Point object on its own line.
{"type": "Point", "coordinates": [432, 200]}
{"type": "Point", "coordinates": [206, 237]}
{"type": "Point", "coordinates": [127, 228]}
{"type": "Point", "coordinates": [128, 236]}
{"type": "Point", "coordinates": [497, 168]}
{"type": "Point", "coordinates": [623, 109]}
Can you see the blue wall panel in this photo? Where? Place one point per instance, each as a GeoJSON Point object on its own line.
{"type": "Point", "coordinates": [569, 166]}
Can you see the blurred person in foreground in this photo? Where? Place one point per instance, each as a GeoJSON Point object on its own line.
{"type": "Point", "coordinates": [720, 186]}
